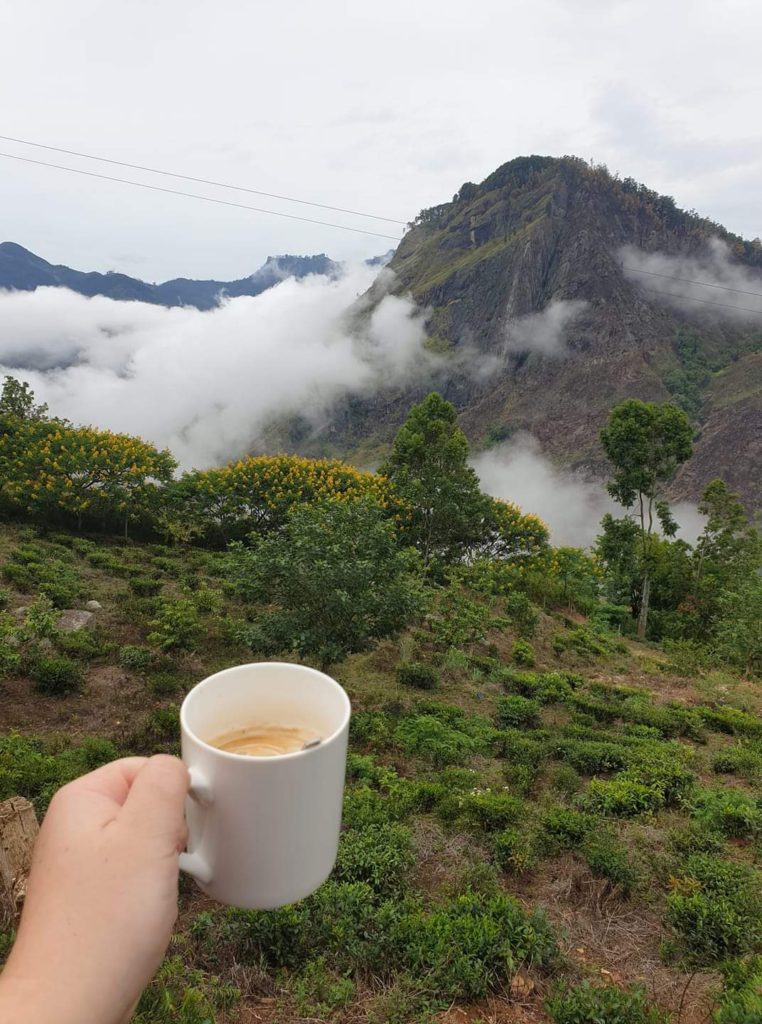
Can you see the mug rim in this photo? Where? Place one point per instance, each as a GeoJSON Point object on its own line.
{"type": "Point", "coordinates": [269, 758]}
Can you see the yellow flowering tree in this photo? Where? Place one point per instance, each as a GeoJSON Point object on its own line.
{"type": "Point", "coordinates": [256, 494]}
{"type": "Point", "coordinates": [51, 469]}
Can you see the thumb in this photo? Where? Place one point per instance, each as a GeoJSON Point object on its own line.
{"type": "Point", "coordinates": [154, 806]}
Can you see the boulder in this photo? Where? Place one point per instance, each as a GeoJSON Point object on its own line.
{"type": "Point", "coordinates": [74, 619]}
{"type": "Point", "coordinates": [20, 613]}
{"type": "Point", "coordinates": [93, 606]}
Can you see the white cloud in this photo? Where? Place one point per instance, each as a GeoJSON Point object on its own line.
{"type": "Point", "coordinates": [571, 504]}
{"type": "Point", "coordinates": [544, 332]}
{"type": "Point", "coordinates": [205, 384]}
{"type": "Point", "coordinates": [708, 284]}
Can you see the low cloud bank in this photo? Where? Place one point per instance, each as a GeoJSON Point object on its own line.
{"type": "Point", "coordinates": [206, 384]}
{"type": "Point", "coordinates": [708, 284]}
{"type": "Point", "coordinates": [572, 505]}
{"type": "Point", "coordinates": [545, 331]}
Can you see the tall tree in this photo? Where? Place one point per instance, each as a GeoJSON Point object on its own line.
{"type": "Point", "coordinates": [645, 444]}
{"type": "Point", "coordinates": [429, 467]}
{"type": "Point", "coordinates": [17, 399]}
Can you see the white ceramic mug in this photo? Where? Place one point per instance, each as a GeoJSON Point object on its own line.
{"type": "Point", "coordinates": [263, 831]}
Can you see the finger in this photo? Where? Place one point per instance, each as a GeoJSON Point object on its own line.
{"type": "Point", "coordinates": [156, 800]}
{"type": "Point", "coordinates": [113, 780]}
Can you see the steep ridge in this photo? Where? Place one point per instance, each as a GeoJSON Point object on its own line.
{"type": "Point", "coordinates": [545, 236]}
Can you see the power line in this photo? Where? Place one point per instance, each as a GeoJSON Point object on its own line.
{"type": "Point", "coordinates": [199, 181]}
{"type": "Point", "coordinates": [688, 280]}
{"type": "Point", "coordinates": [708, 302]}
{"type": "Point", "coordinates": [195, 195]}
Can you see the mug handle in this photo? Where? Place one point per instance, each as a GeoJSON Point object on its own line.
{"type": "Point", "coordinates": [193, 863]}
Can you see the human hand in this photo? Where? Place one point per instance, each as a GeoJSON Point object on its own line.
{"type": "Point", "coordinates": [101, 897]}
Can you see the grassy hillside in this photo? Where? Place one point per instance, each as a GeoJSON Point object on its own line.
{"type": "Point", "coordinates": [545, 807]}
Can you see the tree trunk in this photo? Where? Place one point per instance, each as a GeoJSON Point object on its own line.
{"type": "Point", "coordinates": [18, 831]}
{"type": "Point", "coordinates": [644, 601]}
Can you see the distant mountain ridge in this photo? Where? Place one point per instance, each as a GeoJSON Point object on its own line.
{"type": "Point", "coordinates": [22, 270]}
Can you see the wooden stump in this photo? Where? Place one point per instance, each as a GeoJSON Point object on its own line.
{"type": "Point", "coordinates": [18, 832]}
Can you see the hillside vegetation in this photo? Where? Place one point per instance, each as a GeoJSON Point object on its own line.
{"type": "Point", "coordinates": [545, 820]}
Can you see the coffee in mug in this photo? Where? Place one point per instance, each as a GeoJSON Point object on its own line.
{"type": "Point", "coordinates": [263, 823]}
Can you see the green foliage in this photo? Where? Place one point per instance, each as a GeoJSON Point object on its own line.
{"type": "Point", "coordinates": [728, 811]}
{"type": "Point", "coordinates": [428, 466]}
{"type": "Point", "coordinates": [522, 614]}
{"type": "Point", "coordinates": [183, 995]}
{"type": "Point", "coordinates": [517, 712]}
{"type": "Point", "coordinates": [35, 768]}
{"type": "Point", "coordinates": [145, 586]}
{"type": "Point", "coordinates": [523, 653]}
{"type": "Point", "coordinates": [645, 443]}
{"type": "Point", "coordinates": [378, 855]}
{"type": "Point", "coordinates": [417, 675]}
{"type": "Point", "coordinates": [738, 630]}
{"type": "Point", "coordinates": [176, 626]}
{"type": "Point", "coordinates": [135, 657]}
{"type": "Point", "coordinates": [458, 621]}
{"type": "Point", "coordinates": [31, 569]}
{"type": "Point", "coordinates": [564, 829]}
{"type": "Point", "coordinates": [488, 810]}
{"type": "Point", "coordinates": [434, 741]}
{"type": "Point", "coordinates": [516, 851]}
{"type": "Point", "coordinates": [84, 644]}
{"type": "Point", "coordinates": [741, 1000]}
{"type": "Point", "coordinates": [163, 684]}
{"type": "Point", "coordinates": [606, 1004]}
{"type": "Point", "coordinates": [715, 909]}
{"type": "Point", "coordinates": [607, 858]}
{"type": "Point", "coordinates": [57, 676]}
{"type": "Point", "coordinates": [744, 759]}
{"type": "Point", "coordinates": [5, 598]}
{"type": "Point", "coordinates": [333, 578]}
{"type": "Point", "coordinates": [591, 757]}
{"type": "Point", "coordinates": [318, 991]}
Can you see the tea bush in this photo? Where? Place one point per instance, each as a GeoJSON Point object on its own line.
{"type": "Point", "coordinates": [426, 737]}
{"type": "Point", "coordinates": [416, 675]}
{"type": "Point", "coordinates": [135, 657]}
{"type": "Point", "coordinates": [744, 759]}
{"type": "Point", "coordinates": [176, 626]}
{"type": "Point", "coordinates": [488, 810]}
{"type": "Point", "coordinates": [728, 811]}
{"type": "Point", "coordinates": [522, 613]}
{"type": "Point", "coordinates": [57, 676]}
{"type": "Point", "coordinates": [606, 1004]}
{"type": "Point", "coordinates": [523, 653]}
{"type": "Point", "coordinates": [319, 991]}
{"type": "Point", "coordinates": [36, 571]}
{"type": "Point", "coordinates": [183, 995]}
{"type": "Point", "coordinates": [517, 712]}
{"type": "Point", "coordinates": [36, 768]}
{"type": "Point", "coordinates": [591, 757]}
{"type": "Point", "coordinates": [607, 858]}
{"type": "Point", "coordinates": [81, 643]}
{"type": "Point", "coordinates": [516, 851]}
{"type": "Point", "coordinates": [379, 855]}
{"type": "Point", "coordinates": [715, 909]}
{"type": "Point", "coordinates": [564, 829]}
{"type": "Point", "coordinates": [145, 586]}
{"type": "Point", "coordinates": [731, 720]}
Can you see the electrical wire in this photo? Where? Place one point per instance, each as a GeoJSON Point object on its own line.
{"type": "Point", "coordinates": [708, 302]}
{"type": "Point", "coordinates": [199, 181]}
{"type": "Point", "coordinates": [688, 280]}
{"type": "Point", "coordinates": [195, 195]}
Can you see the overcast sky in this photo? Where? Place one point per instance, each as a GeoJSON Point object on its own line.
{"type": "Point", "coordinates": [384, 108]}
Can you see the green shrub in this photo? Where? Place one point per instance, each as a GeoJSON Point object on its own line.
{"type": "Point", "coordinates": [522, 613]}
{"type": "Point", "coordinates": [566, 780]}
{"type": "Point", "coordinates": [176, 626]}
{"type": "Point", "coordinates": [183, 995]}
{"type": "Point", "coordinates": [517, 712]}
{"type": "Point", "coordinates": [163, 724]}
{"type": "Point", "coordinates": [51, 577]}
{"type": "Point", "coordinates": [207, 600]}
{"type": "Point", "coordinates": [145, 586]}
{"type": "Point", "coordinates": [606, 1004]}
{"type": "Point", "coordinates": [741, 1000]}
{"type": "Point", "coordinates": [319, 992]}
{"type": "Point", "coordinates": [622, 797]}
{"type": "Point", "coordinates": [564, 829]}
{"type": "Point", "coordinates": [10, 659]}
{"type": "Point", "coordinates": [731, 720]}
{"type": "Point", "coordinates": [430, 739]}
{"type": "Point", "coordinates": [523, 653]}
{"type": "Point", "coordinates": [729, 811]}
{"type": "Point", "coordinates": [371, 728]}
{"type": "Point", "coordinates": [35, 768]}
{"type": "Point", "coordinates": [57, 676]}
{"type": "Point", "coordinates": [516, 851]}
{"type": "Point", "coordinates": [163, 684]}
{"type": "Point", "coordinates": [715, 908]}
{"type": "Point", "coordinates": [379, 855]}
{"type": "Point", "coordinates": [80, 643]}
{"type": "Point", "coordinates": [591, 757]}
{"type": "Point", "coordinates": [416, 675]}
{"type": "Point", "coordinates": [489, 810]}
{"type": "Point", "coordinates": [586, 643]}
{"type": "Point", "coordinates": [743, 759]}
{"type": "Point", "coordinates": [5, 597]}
{"type": "Point", "coordinates": [136, 658]}
{"type": "Point", "coordinates": [694, 838]}
{"type": "Point", "coordinates": [607, 858]}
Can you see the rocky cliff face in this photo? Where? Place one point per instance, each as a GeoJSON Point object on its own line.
{"type": "Point", "coordinates": [544, 330]}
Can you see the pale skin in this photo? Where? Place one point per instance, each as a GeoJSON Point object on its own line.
{"type": "Point", "coordinates": [101, 898]}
